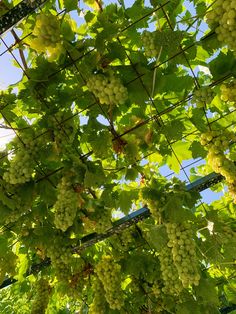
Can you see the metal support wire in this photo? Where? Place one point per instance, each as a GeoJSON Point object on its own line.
{"type": "Point", "coordinates": [17, 13]}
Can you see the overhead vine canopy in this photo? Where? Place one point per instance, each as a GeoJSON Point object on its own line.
{"type": "Point", "coordinates": [120, 105]}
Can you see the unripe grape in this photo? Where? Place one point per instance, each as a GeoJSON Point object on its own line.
{"type": "Point", "coordinates": [109, 273]}
{"type": "Point", "coordinates": [108, 89]}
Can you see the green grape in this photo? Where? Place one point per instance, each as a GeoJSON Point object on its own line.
{"type": "Point", "coordinates": [109, 273]}
{"type": "Point", "coordinates": [228, 91]}
{"type": "Point", "coordinates": [46, 35]}
{"type": "Point", "coordinates": [172, 284]}
{"type": "Point", "coordinates": [59, 251]}
{"type": "Point", "coordinates": [124, 240]}
{"type": "Point", "coordinates": [222, 18]}
{"type": "Point", "coordinates": [157, 291]}
{"type": "Point", "coordinates": [61, 258]}
{"type": "Point", "coordinates": [22, 165]}
{"type": "Point", "coordinates": [184, 253]}
{"type": "Point", "coordinates": [202, 96]}
{"type": "Point", "coordinates": [63, 131]}
{"type": "Point", "coordinates": [217, 142]}
{"type": "Point", "coordinates": [21, 168]}
{"type": "Point", "coordinates": [98, 306]}
{"type": "Point", "coordinates": [108, 89]}
{"type": "Point", "coordinates": [155, 209]}
{"type": "Point", "coordinates": [41, 300]}
{"type": "Point", "coordinates": [66, 205]}
{"type": "Point", "coordinates": [149, 44]}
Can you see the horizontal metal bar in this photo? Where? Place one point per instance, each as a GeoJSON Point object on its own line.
{"type": "Point", "coordinates": [140, 214]}
{"type": "Point", "coordinates": [16, 14]}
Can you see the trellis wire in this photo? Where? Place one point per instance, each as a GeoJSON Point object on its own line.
{"type": "Point", "coordinates": [6, 22]}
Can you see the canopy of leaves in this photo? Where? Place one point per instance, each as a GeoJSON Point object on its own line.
{"type": "Point", "coordinates": [111, 94]}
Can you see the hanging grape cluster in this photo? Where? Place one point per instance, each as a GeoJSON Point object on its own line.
{"type": "Point", "coordinates": [156, 195]}
{"type": "Point", "coordinates": [22, 165]}
{"type": "Point", "coordinates": [47, 36]}
{"type": "Point", "coordinates": [41, 300]}
{"type": "Point", "coordinates": [61, 258]}
{"type": "Point", "coordinates": [229, 233]}
{"type": "Point", "coordinates": [98, 305]}
{"type": "Point", "coordinates": [153, 42]}
{"type": "Point", "coordinates": [228, 91]}
{"type": "Point", "coordinates": [66, 205]}
{"type": "Point", "coordinates": [223, 17]}
{"type": "Point", "coordinates": [109, 272]}
{"type": "Point", "coordinates": [149, 43]}
{"type": "Point", "coordinates": [63, 131]}
{"type": "Point", "coordinates": [169, 273]}
{"type": "Point", "coordinates": [203, 96]}
{"type": "Point", "coordinates": [108, 89]}
{"type": "Point", "coordinates": [158, 293]}
{"type": "Point", "coordinates": [216, 143]}
{"type": "Point", "coordinates": [183, 251]}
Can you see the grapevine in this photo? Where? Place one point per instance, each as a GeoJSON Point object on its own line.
{"type": "Point", "coordinates": [223, 19]}
{"type": "Point", "coordinates": [41, 300]}
{"type": "Point", "coordinates": [184, 253]}
{"type": "Point", "coordinates": [108, 89]}
{"type": "Point", "coordinates": [66, 205]}
{"type": "Point", "coordinates": [109, 272]}
{"type": "Point", "coordinates": [112, 91]}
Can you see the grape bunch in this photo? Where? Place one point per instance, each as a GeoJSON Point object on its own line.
{"type": "Point", "coordinates": [63, 130]}
{"type": "Point", "coordinates": [109, 273]}
{"type": "Point", "coordinates": [108, 89]}
{"type": "Point", "coordinates": [156, 195]}
{"type": "Point", "coordinates": [203, 96]}
{"type": "Point", "coordinates": [170, 276]}
{"type": "Point", "coordinates": [123, 241]}
{"type": "Point", "coordinates": [66, 205]}
{"type": "Point", "coordinates": [22, 164]}
{"type": "Point", "coordinates": [98, 306]}
{"type": "Point", "coordinates": [157, 291]}
{"type": "Point", "coordinates": [21, 168]}
{"type": "Point", "coordinates": [149, 44]}
{"type": "Point", "coordinates": [41, 300]}
{"type": "Point", "coordinates": [229, 233]}
{"type": "Point", "coordinates": [59, 251]}
{"type": "Point", "coordinates": [216, 143]}
{"type": "Point", "coordinates": [184, 253]}
{"type": "Point", "coordinates": [228, 91]}
{"type": "Point", "coordinates": [47, 36]}
{"type": "Point", "coordinates": [223, 19]}
{"type": "Point", "coordinates": [61, 258]}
